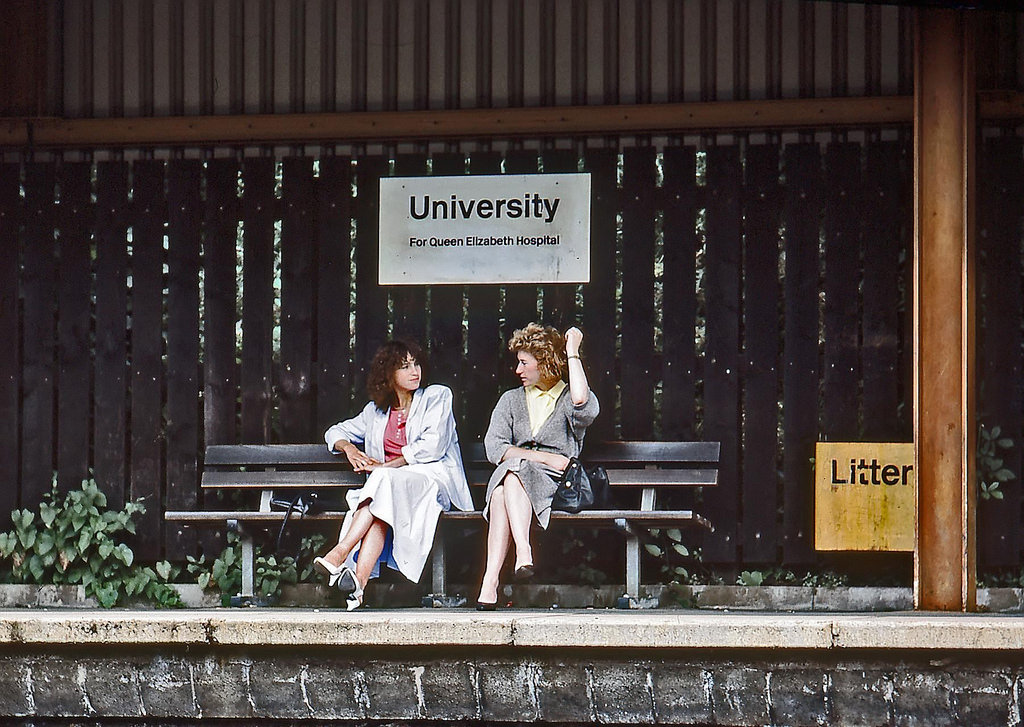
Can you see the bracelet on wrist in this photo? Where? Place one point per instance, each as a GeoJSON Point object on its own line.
{"type": "Point", "coordinates": [575, 355]}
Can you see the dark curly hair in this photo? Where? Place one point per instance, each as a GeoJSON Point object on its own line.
{"type": "Point", "coordinates": [380, 380]}
{"type": "Point", "coordinates": [545, 344]}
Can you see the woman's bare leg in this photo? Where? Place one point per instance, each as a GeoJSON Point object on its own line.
{"type": "Point", "coordinates": [370, 549]}
{"type": "Point", "coordinates": [362, 519]}
{"type": "Point", "coordinates": [520, 517]}
{"type": "Point", "coordinates": [499, 537]}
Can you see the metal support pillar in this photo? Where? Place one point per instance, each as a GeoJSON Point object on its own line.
{"type": "Point", "coordinates": [944, 423]}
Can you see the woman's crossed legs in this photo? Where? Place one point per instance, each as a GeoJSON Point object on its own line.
{"type": "Point", "coordinates": [510, 517]}
{"type": "Point", "coordinates": [369, 533]}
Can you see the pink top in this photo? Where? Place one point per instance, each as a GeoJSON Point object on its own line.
{"type": "Point", "coordinates": [394, 435]}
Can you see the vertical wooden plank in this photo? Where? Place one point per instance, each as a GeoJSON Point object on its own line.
{"type": "Point", "coordinates": [257, 297]}
{"type": "Point", "coordinates": [1000, 397]}
{"type": "Point", "coordinates": [39, 289]}
{"type": "Point", "coordinates": [298, 291]}
{"type": "Point", "coordinates": [599, 294]}
{"type": "Point", "coordinates": [905, 417]}
{"type": "Point", "coordinates": [841, 361]}
{"type": "Point", "coordinates": [220, 305]}
{"type": "Point", "coordinates": [521, 299]}
{"type": "Point", "coordinates": [184, 223]}
{"type": "Point", "coordinates": [679, 315]}
{"type": "Point", "coordinates": [10, 352]}
{"type": "Point", "coordinates": [761, 298]}
{"type": "Point", "coordinates": [74, 319]}
{"type": "Point", "coordinates": [371, 298]}
{"type": "Point", "coordinates": [637, 363]}
{"type": "Point", "coordinates": [221, 214]}
{"type": "Point", "coordinates": [110, 398]}
{"type": "Point", "coordinates": [147, 379]}
{"type": "Point", "coordinates": [887, 173]}
{"type": "Point", "coordinates": [410, 301]}
{"type": "Point", "coordinates": [560, 300]}
{"type": "Point", "coordinates": [721, 365]}
{"type": "Point", "coordinates": [801, 215]}
{"type": "Point", "coordinates": [486, 360]}
{"type": "Point", "coordinates": [334, 373]}
{"type": "Point", "coordinates": [446, 311]}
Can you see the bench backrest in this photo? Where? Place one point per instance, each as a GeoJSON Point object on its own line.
{"type": "Point", "coordinates": [628, 463]}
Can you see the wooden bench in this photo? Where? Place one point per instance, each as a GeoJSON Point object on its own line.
{"type": "Point", "coordinates": [643, 467]}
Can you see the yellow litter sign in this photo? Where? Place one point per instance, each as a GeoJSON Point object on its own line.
{"type": "Point", "coordinates": [864, 496]}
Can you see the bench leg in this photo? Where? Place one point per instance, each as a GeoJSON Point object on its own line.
{"type": "Point", "coordinates": [248, 568]}
{"type": "Point", "coordinates": [438, 576]}
{"type": "Point", "coordinates": [633, 567]}
{"type": "Point", "coordinates": [647, 502]}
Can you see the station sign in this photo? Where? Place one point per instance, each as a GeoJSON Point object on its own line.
{"type": "Point", "coordinates": [504, 228]}
{"type": "Point", "coordinates": [864, 496]}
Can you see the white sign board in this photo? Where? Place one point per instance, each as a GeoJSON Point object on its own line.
{"type": "Point", "coordinates": [528, 228]}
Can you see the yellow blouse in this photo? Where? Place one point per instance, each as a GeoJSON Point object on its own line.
{"type": "Point", "coordinates": [540, 404]}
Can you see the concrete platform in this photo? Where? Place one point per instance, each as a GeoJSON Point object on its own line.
{"type": "Point", "coordinates": [561, 629]}
{"type": "Point", "coordinates": [287, 666]}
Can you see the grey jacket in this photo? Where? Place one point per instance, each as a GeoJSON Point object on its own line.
{"type": "Point", "coordinates": [563, 433]}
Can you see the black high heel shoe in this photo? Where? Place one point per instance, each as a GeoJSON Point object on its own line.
{"type": "Point", "coordinates": [481, 606]}
{"type": "Point", "coordinates": [523, 574]}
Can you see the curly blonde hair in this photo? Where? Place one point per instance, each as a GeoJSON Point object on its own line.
{"type": "Point", "coordinates": [545, 344]}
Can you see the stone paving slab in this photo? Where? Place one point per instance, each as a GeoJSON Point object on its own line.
{"type": "Point", "coordinates": [515, 629]}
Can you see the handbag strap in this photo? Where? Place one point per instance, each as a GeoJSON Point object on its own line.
{"type": "Point", "coordinates": [287, 516]}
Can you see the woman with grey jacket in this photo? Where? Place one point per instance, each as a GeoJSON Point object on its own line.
{"type": "Point", "coordinates": [534, 430]}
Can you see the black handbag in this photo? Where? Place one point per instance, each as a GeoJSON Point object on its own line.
{"type": "Point", "coordinates": [306, 502]}
{"type": "Point", "coordinates": [580, 487]}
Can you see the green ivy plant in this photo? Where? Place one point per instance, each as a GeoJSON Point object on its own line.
{"type": "Point", "coordinates": [676, 559]}
{"type": "Point", "coordinates": [581, 559]}
{"type": "Point", "coordinates": [991, 470]}
{"type": "Point", "coordinates": [786, 577]}
{"type": "Point", "coordinates": [74, 539]}
{"type": "Point", "coordinates": [271, 571]}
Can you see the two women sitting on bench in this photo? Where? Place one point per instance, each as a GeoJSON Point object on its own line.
{"type": "Point", "coordinates": [411, 453]}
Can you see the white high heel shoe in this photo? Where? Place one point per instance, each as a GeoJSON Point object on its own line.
{"type": "Point", "coordinates": [325, 568]}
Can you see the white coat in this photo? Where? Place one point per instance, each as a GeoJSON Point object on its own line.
{"type": "Point", "coordinates": [411, 497]}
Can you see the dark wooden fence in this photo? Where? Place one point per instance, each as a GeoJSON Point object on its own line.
{"type": "Point", "coordinates": [755, 294]}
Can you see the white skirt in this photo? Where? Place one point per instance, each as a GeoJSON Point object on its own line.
{"type": "Point", "coordinates": [410, 502]}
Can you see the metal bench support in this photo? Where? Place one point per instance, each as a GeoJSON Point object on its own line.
{"type": "Point", "coordinates": [439, 577]}
{"type": "Point", "coordinates": [647, 503]}
{"type": "Point", "coordinates": [248, 551]}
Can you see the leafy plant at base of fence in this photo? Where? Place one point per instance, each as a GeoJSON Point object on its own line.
{"type": "Point", "coordinates": [270, 571]}
{"type": "Point", "coordinates": [75, 540]}
{"type": "Point", "coordinates": [580, 560]}
{"type": "Point", "coordinates": [991, 470]}
{"type": "Point", "coordinates": [676, 560]}
{"type": "Point", "coordinates": [786, 577]}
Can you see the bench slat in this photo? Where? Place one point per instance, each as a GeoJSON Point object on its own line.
{"type": "Point", "coordinates": [593, 517]}
{"type": "Point", "coordinates": [647, 452]}
{"type": "Point", "coordinates": [663, 478]}
{"type": "Point", "coordinates": [204, 516]}
{"type": "Point", "coordinates": [262, 480]}
{"type": "Point", "coordinates": [347, 478]}
{"type": "Point", "coordinates": [606, 453]}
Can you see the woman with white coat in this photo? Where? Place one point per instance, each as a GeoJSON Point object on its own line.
{"type": "Point", "coordinates": [405, 440]}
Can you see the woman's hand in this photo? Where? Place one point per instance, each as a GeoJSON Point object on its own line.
{"type": "Point", "coordinates": [556, 461]}
{"type": "Point", "coordinates": [552, 460]}
{"type": "Point", "coordinates": [396, 462]}
{"type": "Point", "coordinates": [579, 389]}
{"type": "Point", "coordinates": [573, 339]}
{"type": "Point", "coordinates": [360, 461]}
